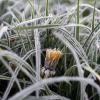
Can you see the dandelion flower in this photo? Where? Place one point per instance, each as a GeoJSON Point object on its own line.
{"type": "Point", "coordinates": [51, 61]}
{"type": "Point", "coordinates": [52, 58]}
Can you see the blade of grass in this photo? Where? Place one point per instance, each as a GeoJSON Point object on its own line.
{"type": "Point", "coordinates": [46, 8]}
{"type": "Point", "coordinates": [91, 34]}
{"type": "Point", "coordinates": [24, 93]}
{"type": "Point", "coordinates": [32, 7]}
{"type": "Point", "coordinates": [93, 19]}
{"type": "Point", "coordinates": [38, 55]}
{"type": "Point", "coordinates": [78, 17]}
{"type": "Point", "coordinates": [12, 80]}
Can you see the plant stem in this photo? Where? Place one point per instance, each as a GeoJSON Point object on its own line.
{"type": "Point", "coordinates": [77, 28]}
{"type": "Point", "coordinates": [93, 20]}
{"type": "Point", "coordinates": [46, 9]}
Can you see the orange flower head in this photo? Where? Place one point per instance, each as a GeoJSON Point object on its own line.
{"type": "Point", "coordinates": [53, 54]}
{"type": "Point", "coordinates": [52, 57]}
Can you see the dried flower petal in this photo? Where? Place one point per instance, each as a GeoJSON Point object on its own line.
{"type": "Point", "coordinates": [47, 73]}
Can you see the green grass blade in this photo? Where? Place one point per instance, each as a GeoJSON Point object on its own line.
{"type": "Point", "coordinates": [47, 8]}
{"type": "Point", "coordinates": [93, 20]}
{"type": "Point", "coordinates": [78, 17]}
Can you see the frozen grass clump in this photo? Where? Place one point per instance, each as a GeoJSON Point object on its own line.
{"type": "Point", "coordinates": [29, 29]}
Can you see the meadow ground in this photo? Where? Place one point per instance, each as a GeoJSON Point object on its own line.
{"type": "Point", "coordinates": [49, 50]}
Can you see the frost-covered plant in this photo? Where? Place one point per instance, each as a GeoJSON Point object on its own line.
{"type": "Point", "coordinates": [29, 32]}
